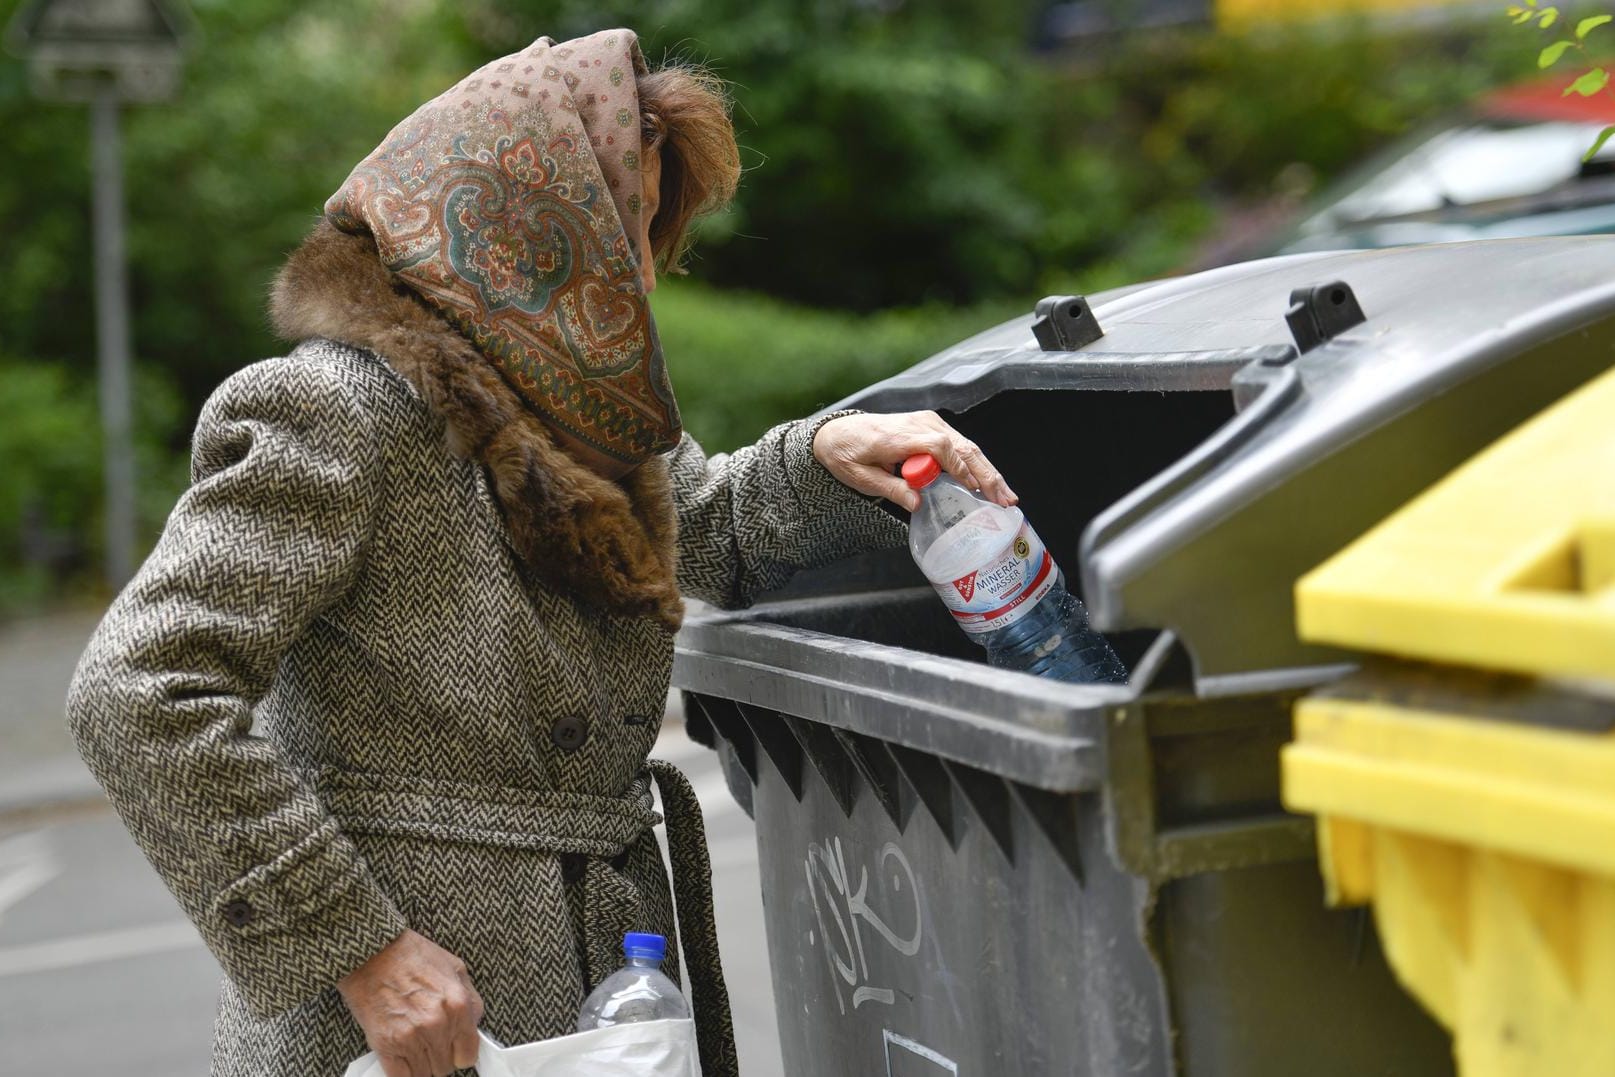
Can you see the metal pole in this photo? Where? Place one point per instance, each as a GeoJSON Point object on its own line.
{"type": "Point", "coordinates": [112, 337]}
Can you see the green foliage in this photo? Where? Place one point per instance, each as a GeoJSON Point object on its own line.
{"type": "Point", "coordinates": [886, 151]}
{"type": "Point", "coordinates": [1550, 55]}
{"type": "Point", "coordinates": [50, 488]}
{"type": "Point", "coordinates": [1598, 143]}
{"type": "Point", "coordinates": [902, 189]}
{"type": "Point", "coordinates": [744, 362]}
{"type": "Point", "coordinates": [48, 436]}
{"type": "Point", "coordinates": [1591, 82]}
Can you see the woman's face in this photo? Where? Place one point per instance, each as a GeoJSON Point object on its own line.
{"type": "Point", "coordinates": [650, 199]}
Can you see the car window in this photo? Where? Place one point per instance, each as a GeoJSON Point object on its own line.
{"type": "Point", "coordinates": [1459, 165]}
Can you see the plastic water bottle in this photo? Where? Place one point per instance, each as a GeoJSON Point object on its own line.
{"type": "Point", "coordinates": [636, 992]}
{"type": "Point", "coordinates": [1000, 582]}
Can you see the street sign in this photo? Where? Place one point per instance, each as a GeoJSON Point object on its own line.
{"type": "Point", "coordinates": [76, 47]}
{"type": "Point", "coordinates": [106, 53]}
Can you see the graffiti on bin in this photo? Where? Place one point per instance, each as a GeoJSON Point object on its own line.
{"type": "Point", "coordinates": [843, 910]}
{"type": "Point", "coordinates": [907, 1061]}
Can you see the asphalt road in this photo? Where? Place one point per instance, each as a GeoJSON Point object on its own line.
{"type": "Point", "coordinates": [101, 976]}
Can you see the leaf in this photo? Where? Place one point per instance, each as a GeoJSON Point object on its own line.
{"type": "Point", "coordinates": [1598, 143]}
{"type": "Point", "coordinates": [1589, 83]}
{"type": "Point", "coordinates": [1524, 16]}
{"type": "Point", "coordinates": [1551, 54]}
{"type": "Point", "coordinates": [1587, 26]}
{"type": "Point", "coordinates": [1513, 9]}
{"type": "Point", "coordinates": [1530, 3]}
{"type": "Point", "coordinates": [1548, 18]}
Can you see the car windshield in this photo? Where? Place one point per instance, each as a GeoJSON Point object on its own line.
{"type": "Point", "coordinates": [1459, 166]}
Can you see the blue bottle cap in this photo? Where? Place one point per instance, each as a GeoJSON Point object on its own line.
{"type": "Point", "coordinates": [644, 945]}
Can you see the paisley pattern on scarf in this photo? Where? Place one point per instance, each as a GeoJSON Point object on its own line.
{"type": "Point", "coordinates": [508, 203]}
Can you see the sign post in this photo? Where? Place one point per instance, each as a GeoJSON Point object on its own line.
{"type": "Point", "coordinates": [104, 53]}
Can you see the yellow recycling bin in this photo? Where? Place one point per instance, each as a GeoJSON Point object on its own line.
{"type": "Point", "coordinates": [1464, 779]}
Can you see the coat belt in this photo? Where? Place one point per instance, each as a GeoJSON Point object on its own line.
{"type": "Point", "coordinates": [577, 823]}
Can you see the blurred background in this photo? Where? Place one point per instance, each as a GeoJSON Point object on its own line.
{"type": "Point", "coordinates": [916, 170]}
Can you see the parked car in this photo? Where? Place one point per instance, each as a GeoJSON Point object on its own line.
{"type": "Point", "coordinates": [1509, 166]}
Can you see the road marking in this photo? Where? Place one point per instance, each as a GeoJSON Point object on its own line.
{"type": "Point", "coordinates": [93, 949]}
{"type": "Point", "coordinates": [26, 864]}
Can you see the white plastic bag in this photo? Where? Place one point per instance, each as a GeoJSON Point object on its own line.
{"type": "Point", "coordinates": [639, 1049]}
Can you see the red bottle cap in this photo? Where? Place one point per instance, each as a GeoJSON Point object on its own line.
{"type": "Point", "coordinates": [921, 471]}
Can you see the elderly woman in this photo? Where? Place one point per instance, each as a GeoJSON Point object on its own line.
{"type": "Point", "coordinates": [436, 553]}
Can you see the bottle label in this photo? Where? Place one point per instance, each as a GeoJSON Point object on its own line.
{"type": "Point", "coordinates": [1003, 591]}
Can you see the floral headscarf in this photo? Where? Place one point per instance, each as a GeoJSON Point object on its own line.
{"type": "Point", "coordinates": [511, 203]}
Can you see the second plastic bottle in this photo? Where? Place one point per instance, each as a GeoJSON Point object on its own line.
{"type": "Point", "coordinates": [639, 991]}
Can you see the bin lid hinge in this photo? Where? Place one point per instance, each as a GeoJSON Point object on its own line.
{"type": "Point", "coordinates": [1320, 312]}
{"type": "Point", "coordinates": [1065, 323]}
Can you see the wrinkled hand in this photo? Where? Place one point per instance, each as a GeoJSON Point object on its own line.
{"type": "Point", "coordinates": [862, 450]}
{"type": "Point", "coordinates": [417, 1007]}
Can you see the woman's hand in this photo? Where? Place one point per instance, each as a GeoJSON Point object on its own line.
{"type": "Point", "coordinates": [417, 1007]}
{"type": "Point", "coordinates": [862, 450]}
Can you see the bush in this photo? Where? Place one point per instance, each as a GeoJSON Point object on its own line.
{"type": "Point", "coordinates": [885, 143]}
{"type": "Point", "coordinates": [741, 363]}
{"type": "Point", "coordinates": [51, 505]}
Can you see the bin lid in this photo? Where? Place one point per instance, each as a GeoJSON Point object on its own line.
{"type": "Point", "coordinates": [1459, 343]}
{"type": "Point", "coordinates": [1508, 563]}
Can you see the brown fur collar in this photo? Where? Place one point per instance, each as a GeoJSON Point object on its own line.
{"type": "Point", "coordinates": [611, 544]}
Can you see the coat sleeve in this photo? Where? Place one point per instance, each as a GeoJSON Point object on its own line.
{"type": "Point", "coordinates": [750, 519]}
{"type": "Point", "coordinates": [286, 477]}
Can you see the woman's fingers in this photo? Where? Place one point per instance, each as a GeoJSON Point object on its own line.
{"type": "Point", "coordinates": [401, 1066]}
{"type": "Point", "coordinates": [964, 460]}
{"type": "Point", "coordinates": [983, 476]}
{"type": "Point", "coordinates": [417, 1007]}
{"type": "Point", "coordinates": [466, 1045]}
{"type": "Point", "coordinates": [988, 478]}
{"type": "Point", "coordinates": [466, 1048]}
{"type": "Point", "coordinates": [440, 1052]}
{"type": "Point", "coordinates": [869, 479]}
{"type": "Point", "coordinates": [862, 450]}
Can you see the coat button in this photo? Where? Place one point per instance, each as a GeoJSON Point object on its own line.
{"type": "Point", "coordinates": [573, 866]}
{"type": "Point", "coordinates": [569, 733]}
{"type": "Point", "coordinates": [239, 913]}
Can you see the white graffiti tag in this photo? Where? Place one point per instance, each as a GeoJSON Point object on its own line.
{"type": "Point", "coordinates": [830, 886]}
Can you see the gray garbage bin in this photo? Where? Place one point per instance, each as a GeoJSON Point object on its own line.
{"type": "Point", "coordinates": [972, 871]}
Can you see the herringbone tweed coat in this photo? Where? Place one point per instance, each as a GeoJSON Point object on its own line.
{"type": "Point", "coordinates": [455, 644]}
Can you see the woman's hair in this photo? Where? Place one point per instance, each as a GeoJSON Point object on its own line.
{"type": "Point", "coordinates": [684, 112]}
